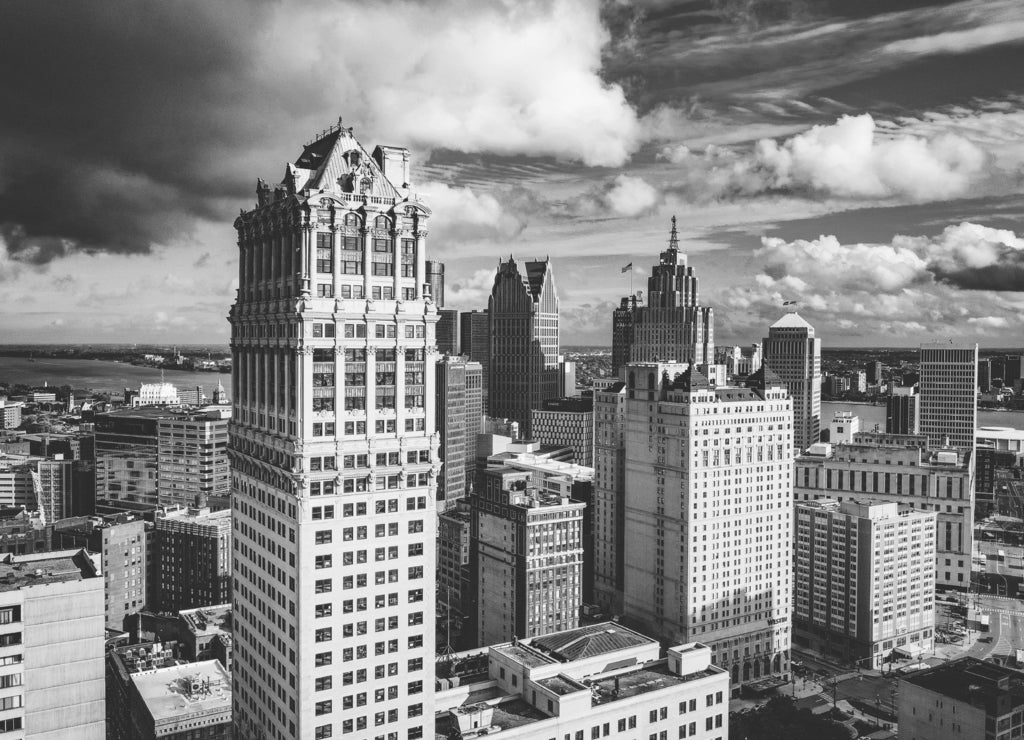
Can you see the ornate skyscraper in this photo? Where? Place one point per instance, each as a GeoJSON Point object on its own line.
{"type": "Point", "coordinates": [672, 326]}
{"type": "Point", "coordinates": [523, 354]}
{"type": "Point", "coordinates": [334, 452]}
{"type": "Point", "coordinates": [794, 353]}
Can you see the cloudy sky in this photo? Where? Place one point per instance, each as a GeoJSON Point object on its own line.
{"type": "Point", "coordinates": [863, 158]}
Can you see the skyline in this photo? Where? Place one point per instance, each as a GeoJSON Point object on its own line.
{"type": "Point", "coordinates": [864, 161]}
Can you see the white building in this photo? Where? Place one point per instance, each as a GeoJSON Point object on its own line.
{"type": "Point", "coordinates": [864, 580]}
{"type": "Point", "coordinates": [1006, 439]}
{"type": "Point", "coordinates": [51, 646]}
{"type": "Point", "coordinates": [794, 353]}
{"type": "Point", "coordinates": [707, 508]}
{"type": "Point", "coordinates": [334, 451]}
{"type": "Point", "coordinates": [592, 682]}
{"type": "Point", "coordinates": [843, 426]}
{"type": "Point", "coordinates": [156, 394]}
{"type": "Point", "coordinates": [948, 395]}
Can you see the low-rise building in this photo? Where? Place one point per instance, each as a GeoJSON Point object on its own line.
{"type": "Point", "coordinates": [181, 702]}
{"type": "Point", "coordinates": [964, 698]}
{"type": "Point", "coordinates": [864, 580]}
{"type": "Point", "coordinates": [597, 681]}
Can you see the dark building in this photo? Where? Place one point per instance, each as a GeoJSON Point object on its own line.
{"type": "Point", "coordinates": [902, 413]}
{"type": "Point", "coordinates": [672, 326]}
{"type": "Point", "coordinates": [127, 457]}
{"type": "Point", "coordinates": [874, 372]}
{"type": "Point", "coordinates": [447, 332]}
{"type": "Point", "coordinates": [523, 367]}
{"type": "Point", "coordinates": [435, 277]}
{"type": "Point", "coordinates": [459, 410]}
{"type": "Point", "coordinates": [193, 550]}
{"type": "Point", "coordinates": [475, 341]}
{"type": "Point", "coordinates": [984, 375]}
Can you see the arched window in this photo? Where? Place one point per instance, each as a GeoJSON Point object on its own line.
{"type": "Point", "coordinates": [382, 222]}
{"type": "Point", "coordinates": [352, 219]}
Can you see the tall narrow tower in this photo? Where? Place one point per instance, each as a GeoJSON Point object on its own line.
{"type": "Point", "coordinates": [672, 326]}
{"type": "Point", "coordinates": [949, 393]}
{"type": "Point", "coordinates": [523, 361]}
{"type": "Point", "coordinates": [794, 353]}
{"type": "Point", "coordinates": [334, 452]}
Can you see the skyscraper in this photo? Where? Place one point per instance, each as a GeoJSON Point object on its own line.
{"type": "Point", "coordinates": [523, 315]}
{"type": "Point", "coordinates": [708, 471]}
{"type": "Point", "coordinates": [902, 414]}
{"type": "Point", "coordinates": [949, 393]}
{"type": "Point", "coordinates": [475, 342]}
{"type": "Point", "coordinates": [672, 326]}
{"type": "Point", "coordinates": [435, 276]}
{"type": "Point", "coordinates": [794, 354]}
{"type": "Point", "coordinates": [459, 413]}
{"type": "Point", "coordinates": [334, 460]}
{"type": "Point", "coordinates": [448, 331]}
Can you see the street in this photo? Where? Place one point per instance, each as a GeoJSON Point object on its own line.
{"type": "Point", "coordinates": [1006, 629]}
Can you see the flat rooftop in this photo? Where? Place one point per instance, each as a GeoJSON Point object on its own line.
{"type": "Point", "coordinates": [21, 571]}
{"type": "Point", "coordinates": [183, 691]}
{"type": "Point", "coordinates": [974, 682]}
{"type": "Point", "coordinates": [651, 677]}
{"type": "Point", "coordinates": [208, 620]}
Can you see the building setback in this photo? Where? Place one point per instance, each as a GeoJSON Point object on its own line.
{"type": "Point", "coordinates": [864, 580]}
{"type": "Point", "coordinates": [672, 326]}
{"type": "Point", "coordinates": [793, 352]}
{"type": "Point", "coordinates": [523, 364]}
{"type": "Point", "coordinates": [51, 644]}
{"type": "Point", "coordinates": [708, 514]}
{"type": "Point", "coordinates": [901, 470]}
{"type": "Point", "coordinates": [599, 681]}
{"type": "Point", "coordinates": [334, 457]}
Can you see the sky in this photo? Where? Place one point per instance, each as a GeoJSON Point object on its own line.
{"type": "Point", "coordinates": [865, 159]}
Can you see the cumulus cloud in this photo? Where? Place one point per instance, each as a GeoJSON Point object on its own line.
{"type": "Point", "coordinates": [624, 195]}
{"type": "Point", "coordinates": [461, 214]}
{"type": "Point", "coordinates": [935, 283]}
{"type": "Point", "coordinates": [470, 293]}
{"type": "Point", "coordinates": [852, 158]}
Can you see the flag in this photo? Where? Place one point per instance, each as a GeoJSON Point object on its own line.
{"type": "Point", "coordinates": [789, 303]}
{"type": "Point", "coordinates": [628, 267]}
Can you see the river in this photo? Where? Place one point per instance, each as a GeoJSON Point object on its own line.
{"type": "Point", "coordinates": [100, 375]}
{"type": "Point", "coordinates": [871, 415]}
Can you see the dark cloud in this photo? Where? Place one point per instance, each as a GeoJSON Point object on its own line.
{"type": "Point", "coordinates": [1007, 276]}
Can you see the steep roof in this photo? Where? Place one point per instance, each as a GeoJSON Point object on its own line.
{"type": "Point", "coordinates": [536, 273]}
{"type": "Point", "coordinates": [792, 321]}
{"type": "Point", "coordinates": [765, 377]}
{"type": "Point", "coordinates": [338, 161]}
{"type": "Point", "coordinates": [586, 642]}
{"type": "Point", "coordinates": [691, 379]}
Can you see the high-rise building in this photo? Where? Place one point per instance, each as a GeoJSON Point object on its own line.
{"type": "Point", "coordinates": [902, 412]}
{"type": "Point", "coordinates": [127, 457]}
{"type": "Point", "coordinates": [874, 372]}
{"type": "Point", "coordinates": [526, 553]}
{"type": "Point", "coordinates": [10, 413]}
{"type": "Point", "coordinates": [793, 352]}
{"type": "Point", "coordinates": [475, 342]}
{"type": "Point", "coordinates": [334, 455]}
{"type": "Point", "coordinates": [609, 505]}
{"type": "Point", "coordinates": [566, 422]}
{"type": "Point", "coordinates": [567, 378]}
{"type": "Point", "coordinates": [985, 375]}
{"type": "Point", "coordinates": [672, 326]}
{"type": "Point", "coordinates": [52, 485]}
{"type": "Point", "coordinates": [448, 331]}
{"type": "Point", "coordinates": [863, 580]}
{"type": "Point", "coordinates": [455, 580]}
{"type": "Point", "coordinates": [859, 381]}
{"type": "Point", "coordinates": [193, 559]}
{"type": "Point", "coordinates": [706, 470]}
{"type": "Point", "coordinates": [459, 410]}
{"type": "Point", "coordinates": [523, 366]}
{"type": "Point", "coordinates": [949, 393]}
{"type": "Point", "coordinates": [901, 469]}
{"type": "Point", "coordinates": [192, 460]}
{"type": "Point", "coordinates": [435, 277]}
{"type": "Point", "coordinates": [51, 646]}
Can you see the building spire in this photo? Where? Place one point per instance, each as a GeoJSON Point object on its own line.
{"type": "Point", "coordinates": [673, 239]}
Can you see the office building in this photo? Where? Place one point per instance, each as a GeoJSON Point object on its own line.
{"type": "Point", "coordinates": [843, 427]}
{"type": "Point", "coordinates": [567, 378]}
{"type": "Point", "coordinates": [602, 680]}
{"type": "Point", "coordinates": [859, 381]}
{"type": "Point", "coordinates": [192, 459]}
{"type": "Point", "coordinates": [125, 543]}
{"type": "Point", "coordinates": [459, 410]}
{"type": "Point", "coordinates": [706, 470]}
{"type": "Point", "coordinates": [963, 698]}
{"type": "Point", "coordinates": [793, 352]}
{"type": "Point", "coordinates": [671, 326]}
{"type": "Point", "coordinates": [863, 580]}
{"type": "Point", "coordinates": [455, 580]}
{"type": "Point", "coordinates": [901, 470]}
{"type": "Point", "coordinates": [10, 413]}
{"type": "Point", "coordinates": [193, 559]}
{"type": "Point", "coordinates": [523, 365]}
{"type": "Point", "coordinates": [51, 646]}
{"type": "Point", "coordinates": [178, 702]}
{"type": "Point", "coordinates": [609, 505]}
{"type": "Point", "coordinates": [52, 488]}
{"type": "Point", "coordinates": [566, 422]}
{"type": "Point", "coordinates": [17, 487]}
{"type": "Point", "coordinates": [475, 342]}
{"type": "Point", "coordinates": [948, 391]}
{"type": "Point", "coordinates": [836, 385]}
{"type": "Point", "coordinates": [874, 373]}
{"type": "Point", "coordinates": [127, 455]}
{"type": "Point", "coordinates": [526, 552]}
{"type": "Point", "coordinates": [984, 375]}
{"type": "Point", "coordinates": [902, 411]}
{"type": "Point", "coordinates": [333, 451]}
{"type": "Point", "coordinates": [448, 331]}
{"type": "Point", "coordinates": [435, 278]}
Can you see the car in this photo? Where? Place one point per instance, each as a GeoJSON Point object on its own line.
{"type": "Point", "coordinates": [986, 638]}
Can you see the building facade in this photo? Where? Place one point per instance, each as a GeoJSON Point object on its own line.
{"type": "Point", "coordinates": [793, 352]}
{"type": "Point", "coordinates": [179, 702]}
{"type": "Point", "coordinates": [671, 326]}
{"type": "Point", "coordinates": [127, 455]}
{"type": "Point", "coordinates": [192, 460]}
{"type": "Point", "coordinates": [526, 551]}
{"type": "Point", "coordinates": [193, 559]}
{"type": "Point", "coordinates": [706, 470]}
{"type": "Point", "coordinates": [51, 646]}
{"type": "Point", "coordinates": [902, 411]}
{"type": "Point", "coordinates": [609, 503]}
{"type": "Point", "coordinates": [523, 364]}
{"type": "Point", "coordinates": [435, 278]}
{"type": "Point", "coordinates": [448, 331]}
{"type": "Point", "coordinates": [901, 470]}
{"type": "Point", "coordinates": [566, 422]}
{"type": "Point", "coordinates": [334, 453]}
{"type": "Point", "coordinates": [475, 342]}
{"type": "Point", "coordinates": [459, 410]}
{"type": "Point", "coordinates": [949, 393]}
{"type": "Point", "coordinates": [863, 580]}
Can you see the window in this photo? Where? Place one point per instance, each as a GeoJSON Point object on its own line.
{"type": "Point", "coordinates": [325, 290]}
{"type": "Point", "coordinates": [324, 634]}
{"type": "Point", "coordinates": [324, 731]}
{"type": "Point", "coordinates": [323, 707]}
{"type": "Point", "coordinates": [323, 561]}
{"type": "Point", "coordinates": [323, 537]}
{"type": "Point", "coordinates": [10, 614]}
{"type": "Point", "coordinates": [323, 659]}
{"type": "Point", "coordinates": [324, 254]}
